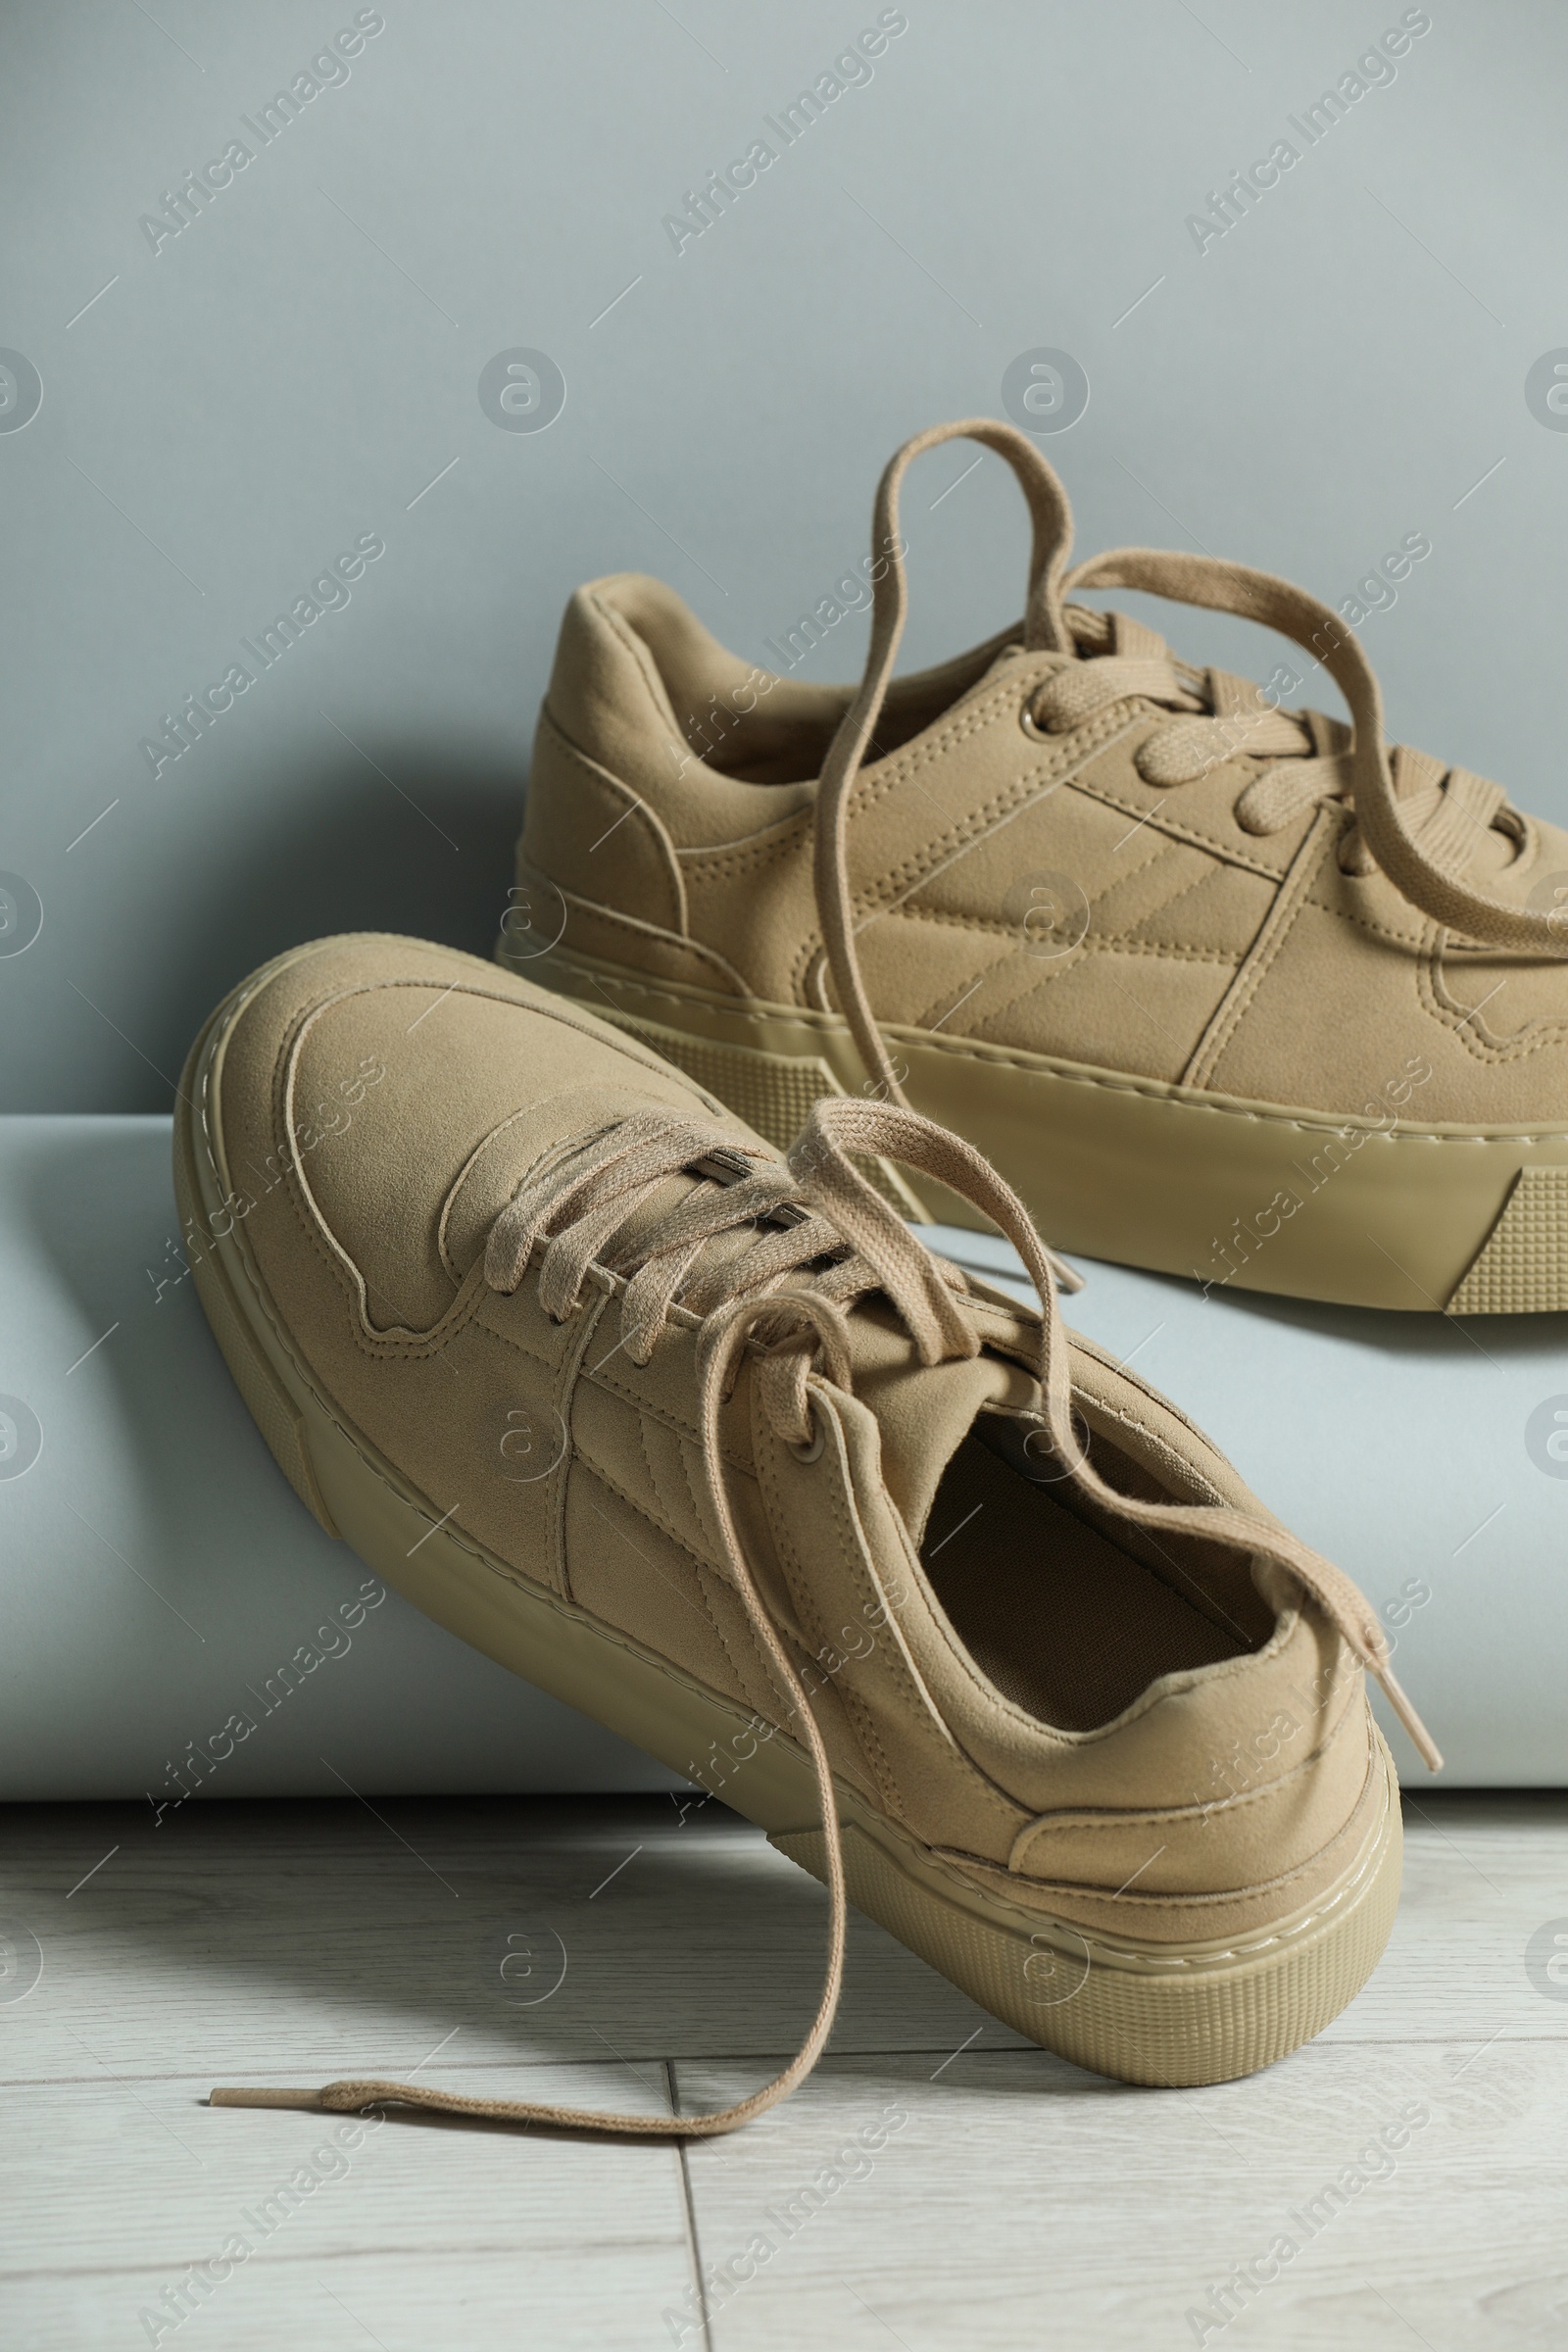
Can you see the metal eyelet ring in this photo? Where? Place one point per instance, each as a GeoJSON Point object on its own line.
{"type": "Point", "coordinates": [1030, 724]}
{"type": "Point", "coordinates": [812, 1450]}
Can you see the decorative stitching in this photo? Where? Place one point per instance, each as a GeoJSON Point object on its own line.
{"type": "Point", "coordinates": [966, 832]}
{"type": "Point", "coordinates": [1124, 942]}
{"type": "Point", "coordinates": [1278, 924]}
{"type": "Point", "coordinates": [1541, 1035]}
{"type": "Point", "coordinates": [616, 919]}
{"type": "Point", "coordinates": [623, 795]}
{"type": "Point", "coordinates": [807, 1601]}
{"type": "Point", "coordinates": [1108, 1081]}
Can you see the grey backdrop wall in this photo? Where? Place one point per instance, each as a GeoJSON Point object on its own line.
{"type": "Point", "coordinates": [242, 383]}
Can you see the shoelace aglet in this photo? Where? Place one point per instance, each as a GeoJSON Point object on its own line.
{"type": "Point", "coordinates": [231, 2096]}
{"type": "Point", "coordinates": [1426, 1747]}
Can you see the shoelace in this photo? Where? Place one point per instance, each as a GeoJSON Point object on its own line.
{"type": "Point", "coordinates": [1413, 818]}
{"type": "Point", "coordinates": [1447, 810]}
{"type": "Point", "coordinates": [776, 1295]}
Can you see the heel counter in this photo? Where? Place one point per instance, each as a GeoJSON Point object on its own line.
{"type": "Point", "coordinates": [595, 838]}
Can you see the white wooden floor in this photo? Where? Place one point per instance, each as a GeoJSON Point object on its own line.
{"type": "Point", "coordinates": [938, 2183]}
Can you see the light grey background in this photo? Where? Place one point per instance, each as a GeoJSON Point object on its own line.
{"type": "Point", "coordinates": [294, 368]}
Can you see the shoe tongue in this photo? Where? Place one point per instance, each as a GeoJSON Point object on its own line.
{"type": "Point", "coordinates": [1134, 641]}
{"type": "Point", "coordinates": [924, 1411]}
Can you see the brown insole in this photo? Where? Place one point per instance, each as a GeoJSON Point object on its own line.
{"type": "Point", "coordinates": [1055, 1613]}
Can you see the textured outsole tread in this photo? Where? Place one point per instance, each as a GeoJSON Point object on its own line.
{"type": "Point", "coordinates": [1523, 1265]}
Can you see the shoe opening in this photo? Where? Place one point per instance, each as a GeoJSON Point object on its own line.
{"type": "Point", "coordinates": [757, 726]}
{"type": "Point", "coordinates": [1069, 1612]}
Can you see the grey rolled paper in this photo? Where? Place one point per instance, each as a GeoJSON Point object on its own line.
{"type": "Point", "coordinates": [177, 1625]}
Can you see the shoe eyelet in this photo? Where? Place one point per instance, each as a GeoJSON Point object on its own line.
{"type": "Point", "coordinates": [1031, 724]}
{"type": "Point", "coordinates": [812, 1450]}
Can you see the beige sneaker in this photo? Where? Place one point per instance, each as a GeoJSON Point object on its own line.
{"type": "Point", "coordinates": [1218, 988]}
{"type": "Point", "coordinates": [968, 1618]}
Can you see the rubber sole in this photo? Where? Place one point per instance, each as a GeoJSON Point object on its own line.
{"type": "Point", "coordinates": [1151, 2013]}
{"type": "Point", "coordinates": [1241, 1195]}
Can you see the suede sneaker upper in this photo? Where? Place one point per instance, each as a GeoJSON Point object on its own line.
{"type": "Point", "coordinates": [705, 1440]}
{"type": "Point", "coordinates": [1099, 910]}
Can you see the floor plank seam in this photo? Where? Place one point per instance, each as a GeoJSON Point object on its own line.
{"type": "Point", "coordinates": [699, 2286]}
